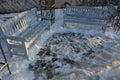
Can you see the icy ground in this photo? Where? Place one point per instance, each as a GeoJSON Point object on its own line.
{"type": "Point", "coordinates": [77, 54]}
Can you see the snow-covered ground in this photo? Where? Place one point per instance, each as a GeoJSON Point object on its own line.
{"type": "Point", "coordinates": [103, 64]}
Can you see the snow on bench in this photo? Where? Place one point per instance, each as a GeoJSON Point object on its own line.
{"type": "Point", "coordinates": [86, 15]}
{"type": "Point", "coordinates": [22, 31]}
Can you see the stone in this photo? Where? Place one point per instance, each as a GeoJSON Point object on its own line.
{"type": "Point", "coordinates": [31, 67]}
{"type": "Point", "coordinates": [43, 64]}
{"type": "Point", "coordinates": [54, 59]}
{"type": "Point", "coordinates": [89, 52]}
{"type": "Point", "coordinates": [49, 74]}
{"type": "Point", "coordinates": [68, 61]}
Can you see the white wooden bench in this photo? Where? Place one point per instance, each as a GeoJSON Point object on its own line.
{"type": "Point", "coordinates": [21, 31]}
{"type": "Point", "coordinates": [85, 15]}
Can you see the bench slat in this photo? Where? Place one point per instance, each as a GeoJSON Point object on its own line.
{"type": "Point", "coordinates": [86, 22]}
{"type": "Point", "coordinates": [86, 15]}
{"type": "Point", "coordinates": [34, 31]}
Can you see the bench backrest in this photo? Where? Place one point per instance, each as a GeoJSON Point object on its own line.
{"type": "Point", "coordinates": [19, 23]}
{"type": "Point", "coordinates": [86, 12]}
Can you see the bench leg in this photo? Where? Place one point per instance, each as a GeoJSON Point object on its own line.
{"type": "Point", "coordinates": [103, 29]}
{"type": "Point", "coordinates": [7, 46]}
{"type": "Point", "coordinates": [63, 24]}
{"type": "Point", "coordinates": [25, 50]}
{"type": "Point", "coordinates": [22, 49]}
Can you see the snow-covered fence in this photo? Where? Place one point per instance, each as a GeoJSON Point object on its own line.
{"type": "Point", "coordinates": [115, 22]}
{"type": "Point", "coordinates": [115, 17]}
{"type": "Point", "coordinates": [22, 30]}
{"type": "Point", "coordinates": [86, 15]}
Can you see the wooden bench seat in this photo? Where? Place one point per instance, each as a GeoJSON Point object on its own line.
{"type": "Point", "coordinates": [23, 30]}
{"type": "Point", "coordinates": [85, 15]}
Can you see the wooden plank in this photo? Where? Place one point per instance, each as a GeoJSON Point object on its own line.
{"type": "Point", "coordinates": [88, 15]}
{"type": "Point", "coordinates": [14, 38]}
{"type": "Point", "coordinates": [85, 21]}
{"type": "Point", "coordinates": [2, 63]}
{"type": "Point", "coordinates": [4, 66]}
{"type": "Point", "coordinates": [34, 30]}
